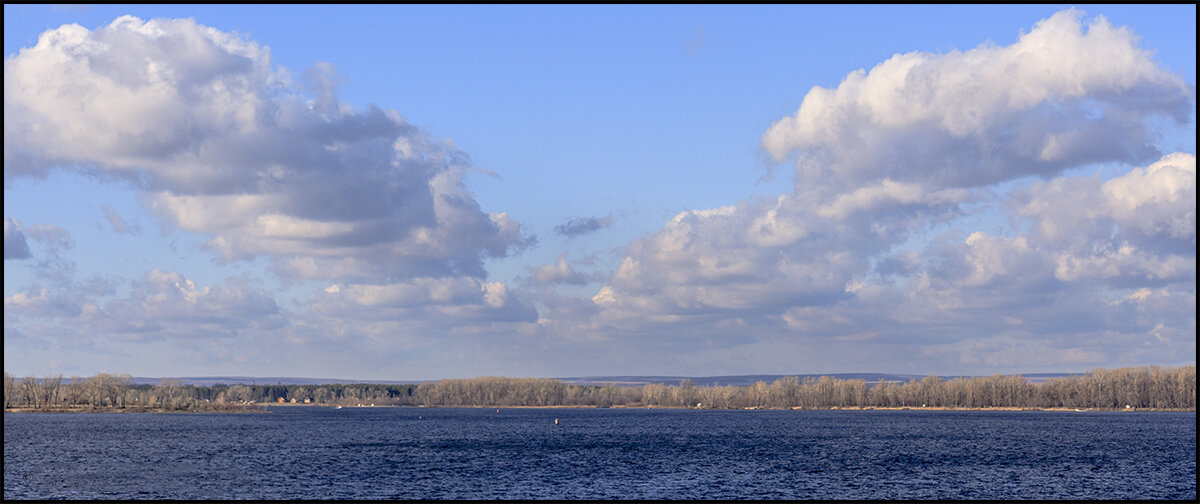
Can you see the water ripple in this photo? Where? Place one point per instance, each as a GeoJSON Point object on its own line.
{"type": "Point", "coordinates": [398, 453]}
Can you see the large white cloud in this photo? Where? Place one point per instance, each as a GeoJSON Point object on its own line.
{"type": "Point", "coordinates": [1063, 95]}
{"type": "Point", "coordinates": [752, 262]}
{"type": "Point", "coordinates": [1155, 205]}
{"type": "Point", "coordinates": [866, 264]}
{"type": "Point", "coordinates": [225, 145]}
{"type": "Point", "coordinates": [1135, 229]}
{"type": "Point", "coordinates": [1105, 274]}
{"type": "Point", "coordinates": [919, 142]}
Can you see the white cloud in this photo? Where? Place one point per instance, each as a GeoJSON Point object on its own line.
{"type": "Point", "coordinates": [1157, 201]}
{"type": "Point", "coordinates": [426, 306]}
{"type": "Point", "coordinates": [750, 260]}
{"type": "Point", "coordinates": [1063, 95]}
{"type": "Point", "coordinates": [886, 193]}
{"type": "Point", "coordinates": [161, 305]}
{"type": "Point", "coordinates": [225, 145]}
{"type": "Point", "coordinates": [890, 152]}
{"type": "Point", "coordinates": [1127, 263]}
{"type": "Point", "coordinates": [845, 270]}
{"type": "Point", "coordinates": [1135, 228]}
{"type": "Point", "coordinates": [1155, 205]}
{"type": "Point", "coordinates": [557, 273]}
{"type": "Point", "coordinates": [990, 258]}
{"type": "Point", "coordinates": [910, 144]}
{"type": "Point", "coordinates": [39, 302]}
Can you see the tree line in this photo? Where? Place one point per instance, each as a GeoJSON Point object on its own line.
{"type": "Point", "coordinates": [106, 392]}
{"type": "Point", "coordinates": [1135, 387]}
{"type": "Point", "coordinates": [117, 392]}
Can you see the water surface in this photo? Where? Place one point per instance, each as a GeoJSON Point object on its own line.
{"type": "Point", "coordinates": [460, 453]}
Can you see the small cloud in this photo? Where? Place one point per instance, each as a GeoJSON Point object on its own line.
{"type": "Point", "coordinates": [583, 225]}
{"type": "Point", "coordinates": [559, 272]}
{"type": "Point", "coordinates": [118, 224]}
{"type": "Point", "coordinates": [51, 235]}
{"type": "Point", "coordinates": [15, 246]}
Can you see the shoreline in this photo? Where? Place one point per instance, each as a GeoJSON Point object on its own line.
{"type": "Point", "coordinates": [132, 409]}
{"type": "Point", "coordinates": [794, 408]}
{"type": "Point", "coordinates": [260, 408]}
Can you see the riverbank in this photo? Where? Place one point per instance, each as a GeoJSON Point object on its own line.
{"type": "Point", "coordinates": [139, 409]}
{"type": "Point", "coordinates": [261, 408]}
{"type": "Point", "coordinates": [998, 408]}
{"type": "Point", "coordinates": [634, 406]}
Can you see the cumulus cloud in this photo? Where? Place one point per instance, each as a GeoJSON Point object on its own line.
{"type": "Point", "coordinates": [165, 304]}
{"type": "Point", "coordinates": [1077, 248]}
{"type": "Point", "coordinates": [161, 305]}
{"type": "Point", "coordinates": [15, 246]}
{"type": "Point", "coordinates": [225, 145]}
{"type": "Point", "coordinates": [583, 225]}
{"type": "Point", "coordinates": [1136, 228]}
{"type": "Point", "coordinates": [866, 260]}
{"type": "Point", "coordinates": [1063, 95]}
{"type": "Point", "coordinates": [40, 302]}
{"type": "Point", "coordinates": [1156, 203]}
{"type": "Point", "coordinates": [719, 264]}
{"type": "Point", "coordinates": [754, 261]}
{"type": "Point", "coordinates": [558, 273]}
{"type": "Point", "coordinates": [429, 302]}
{"type": "Point", "coordinates": [887, 192]}
{"type": "Point", "coordinates": [1088, 279]}
{"type": "Point", "coordinates": [921, 140]}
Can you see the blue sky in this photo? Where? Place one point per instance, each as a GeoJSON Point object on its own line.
{"type": "Point", "coordinates": [419, 192]}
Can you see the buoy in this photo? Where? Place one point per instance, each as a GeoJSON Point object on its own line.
{"type": "Point", "coordinates": [555, 421]}
{"type": "Point", "coordinates": [497, 411]}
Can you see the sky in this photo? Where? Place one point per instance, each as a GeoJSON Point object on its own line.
{"type": "Point", "coordinates": [428, 192]}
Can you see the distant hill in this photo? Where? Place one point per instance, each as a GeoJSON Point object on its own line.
{"type": "Point", "coordinates": [624, 381]}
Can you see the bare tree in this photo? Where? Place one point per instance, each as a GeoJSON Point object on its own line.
{"type": "Point", "coordinates": [29, 391]}
{"type": "Point", "coordinates": [50, 390]}
{"type": "Point", "coordinates": [10, 389]}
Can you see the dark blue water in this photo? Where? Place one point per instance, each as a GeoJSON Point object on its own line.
{"type": "Point", "coordinates": [434, 453]}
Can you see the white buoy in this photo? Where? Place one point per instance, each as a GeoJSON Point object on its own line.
{"type": "Point", "coordinates": [555, 421]}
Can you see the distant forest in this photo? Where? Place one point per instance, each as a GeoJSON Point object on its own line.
{"type": "Point", "coordinates": [1124, 388]}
